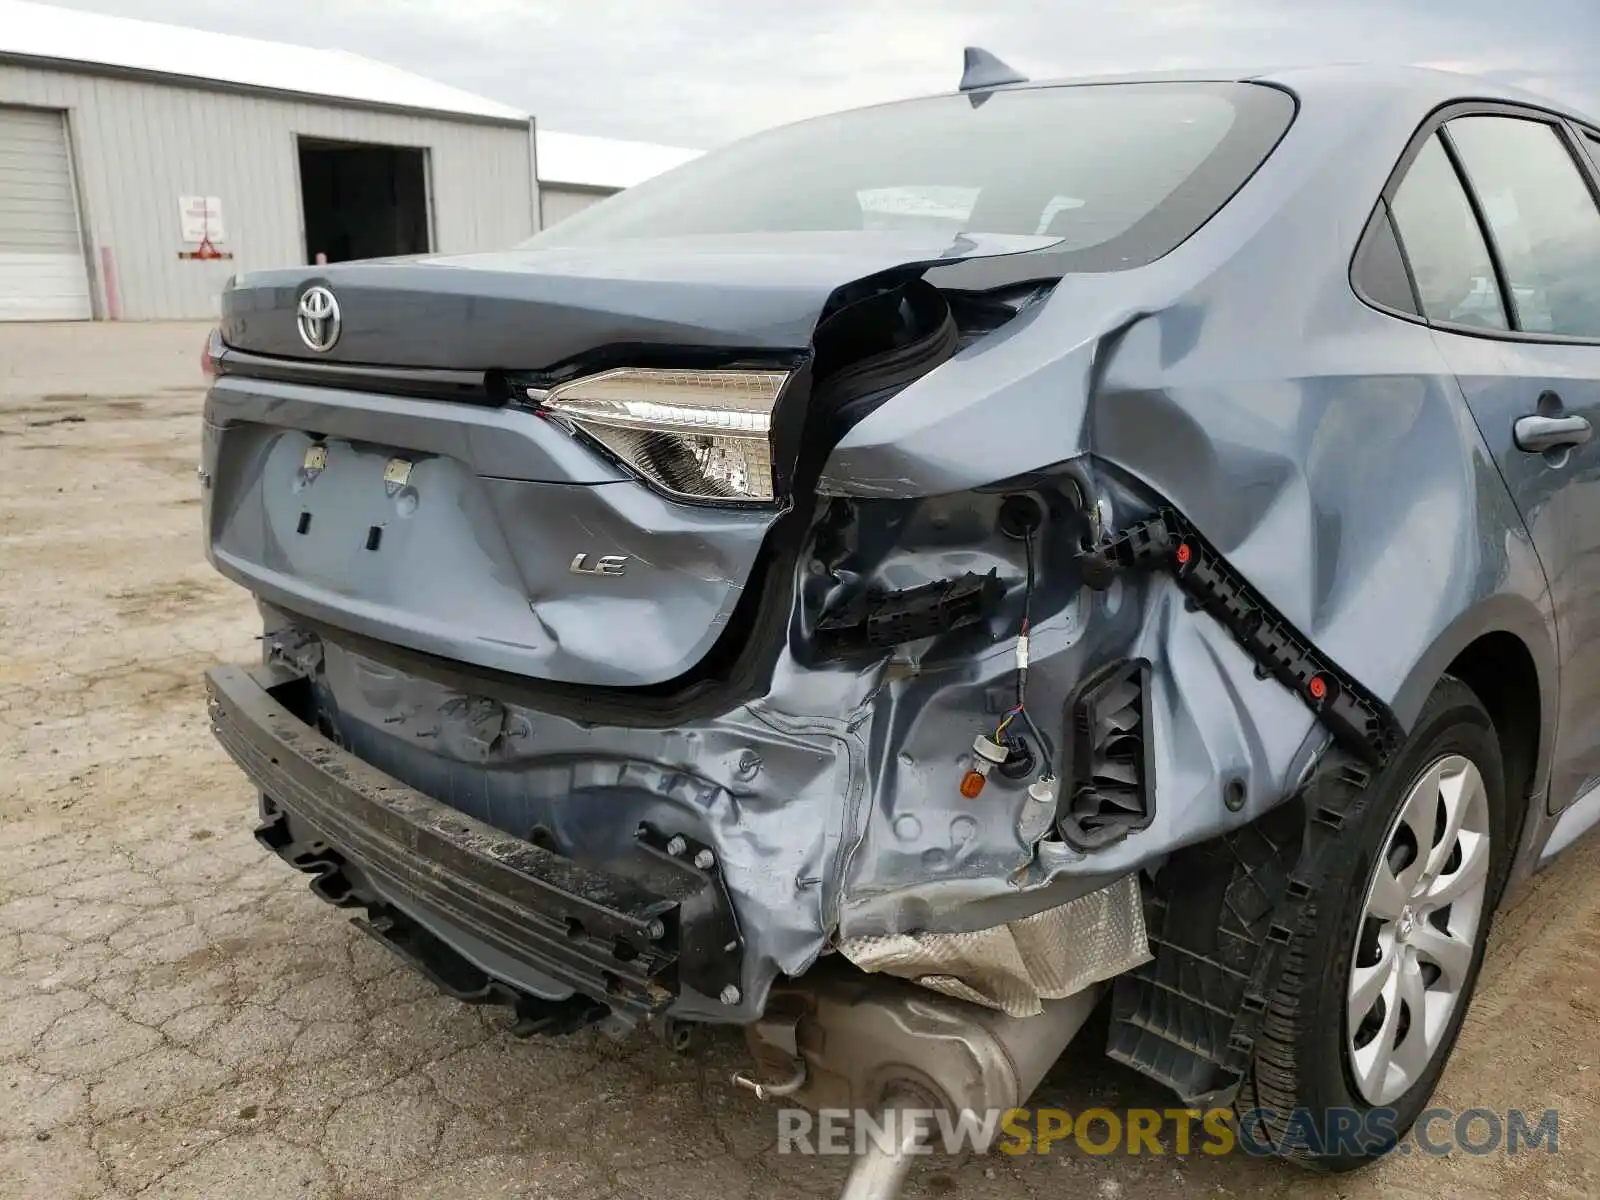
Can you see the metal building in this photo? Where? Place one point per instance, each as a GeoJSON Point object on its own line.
{"type": "Point", "coordinates": [143, 164]}
{"type": "Point", "coordinates": [575, 171]}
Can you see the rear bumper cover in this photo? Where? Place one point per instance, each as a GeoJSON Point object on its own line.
{"type": "Point", "coordinates": [487, 915]}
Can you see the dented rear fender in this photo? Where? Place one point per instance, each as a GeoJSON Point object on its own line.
{"type": "Point", "coordinates": [1323, 449]}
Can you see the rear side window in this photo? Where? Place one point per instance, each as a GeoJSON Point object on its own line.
{"type": "Point", "coordinates": [1542, 217]}
{"type": "Point", "coordinates": [1450, 263]}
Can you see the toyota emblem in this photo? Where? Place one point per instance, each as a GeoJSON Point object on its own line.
{"type": "Point", "coordinates": [318, 319]}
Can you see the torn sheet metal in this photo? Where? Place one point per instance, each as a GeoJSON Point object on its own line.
{"type": "Point", "coordinates": [1015, 967]}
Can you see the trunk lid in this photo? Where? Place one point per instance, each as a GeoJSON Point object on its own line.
{"type": "Point", "coordinates": [531, 309]}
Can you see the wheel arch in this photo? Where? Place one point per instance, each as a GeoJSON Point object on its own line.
{"type": "Point", "coordinates": [1220, 912]}
{"type": "Point", "coordinates": [1504, 650]}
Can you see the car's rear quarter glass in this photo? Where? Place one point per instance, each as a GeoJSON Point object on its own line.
{"type": "Point", "coordinates": [1120, 173]}
{"type": "Point", "coordinates": [1380, 269]}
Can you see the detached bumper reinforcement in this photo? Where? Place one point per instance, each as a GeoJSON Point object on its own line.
{"type": "Point", "coordinates": [426, 871]}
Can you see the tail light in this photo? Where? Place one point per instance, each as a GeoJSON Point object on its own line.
{"type": "Point", "coordinates": [698, 435]}
{"type": "Point", "coordinates": [208, 355]}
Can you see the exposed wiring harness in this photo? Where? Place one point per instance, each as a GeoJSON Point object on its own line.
{"type": "Point", "coordinates": [993, 751]}
{"type": "Point", "coordinates": [1021, 709]}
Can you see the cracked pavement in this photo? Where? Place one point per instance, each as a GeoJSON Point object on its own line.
{"type": "Point", "coordinates": [180, 1017]}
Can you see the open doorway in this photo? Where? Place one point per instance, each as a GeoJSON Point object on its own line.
{"type": "Point", "coordinates": [363, 201]}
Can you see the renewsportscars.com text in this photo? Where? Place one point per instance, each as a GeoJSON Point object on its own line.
{"type": "Point", "coordinates": [1152, 1131]}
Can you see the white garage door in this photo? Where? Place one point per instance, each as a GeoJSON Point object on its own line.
{"type": "Point", "coordinates": [42, 275]}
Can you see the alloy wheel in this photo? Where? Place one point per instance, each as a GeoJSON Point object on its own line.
{"type": "Point", "coordinates": [1418, 932]}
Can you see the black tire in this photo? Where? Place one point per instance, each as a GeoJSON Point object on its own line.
{"type": "Point", "coordinates": [1300, 1088]}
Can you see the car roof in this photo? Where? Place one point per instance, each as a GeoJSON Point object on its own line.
{"type": "Point", "coordinates": [1426, 87]}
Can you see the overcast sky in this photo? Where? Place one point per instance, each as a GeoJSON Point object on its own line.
{"type": "Point", "coordinates": [703, 72]}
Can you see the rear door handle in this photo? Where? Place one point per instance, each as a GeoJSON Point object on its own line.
{"type": "Point", "coordinates": [1537, 434]}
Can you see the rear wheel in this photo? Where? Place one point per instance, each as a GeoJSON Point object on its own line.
{"type": "Point", "coordinates": [1379, 974]}
{"type": "Point", "coordinates": [1418, 931]}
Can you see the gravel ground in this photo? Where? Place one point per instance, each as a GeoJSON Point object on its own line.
{"type": "Point", "coordinates": [179, 1017]}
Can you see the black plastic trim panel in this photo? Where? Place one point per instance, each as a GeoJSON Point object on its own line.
{"type": "Point", "coordinates": [471, 387]}
{"type": "Point", "coordinates": [1087, 815]}
{"type": "Point", "coordinates": [1221, 916]}
{"type": "Point", "coordinates": [876, 621]}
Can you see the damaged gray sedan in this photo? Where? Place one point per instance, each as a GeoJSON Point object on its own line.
{"type": "Point", "coordinates": [905, 577]}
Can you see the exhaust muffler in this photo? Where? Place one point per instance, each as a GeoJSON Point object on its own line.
{"type": "Point", "coordinates": [874, 1044]}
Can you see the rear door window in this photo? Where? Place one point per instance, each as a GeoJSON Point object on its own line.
{"type": "Point", "coordinates": [1444, 245]}
{"type": "Point", "coordinates": [1542, 218]}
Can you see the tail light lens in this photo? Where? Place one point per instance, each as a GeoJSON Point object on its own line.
{"type": "Point", "coordinates": [208, 356]}
{"type": "Point", "coordinates": [698, 435]}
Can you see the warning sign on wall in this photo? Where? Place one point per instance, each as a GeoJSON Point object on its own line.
{"type": "Point", "coordinates": [201, 217]}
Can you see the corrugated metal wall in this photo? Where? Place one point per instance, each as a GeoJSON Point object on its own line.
{"type": "Point", "coordinates": [138, 146]}
{"type": "Point", "coordinates": [557, 203]}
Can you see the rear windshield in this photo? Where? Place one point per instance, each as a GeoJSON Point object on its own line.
{"type": "Point", "coordinates": [1121, 173]}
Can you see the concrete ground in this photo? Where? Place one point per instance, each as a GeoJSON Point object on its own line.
{"type": "Point", "coordinates": [179, 1017]}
